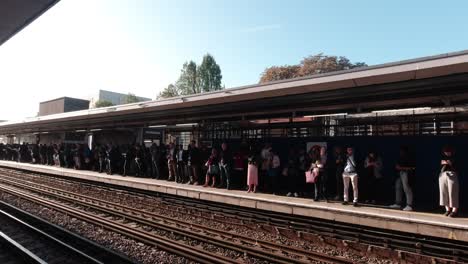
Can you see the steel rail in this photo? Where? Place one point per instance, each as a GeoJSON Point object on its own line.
{"type": "Point", "coordinates": [170, 225]}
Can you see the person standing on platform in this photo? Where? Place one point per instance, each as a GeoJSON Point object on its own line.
{"type": "Point", "coordinates": [43, 154]}
{"type": "Point", "coordinates": [304, 162]}
{"type": "Point", "coordinates": [292, 174]}
{"type": "Point", "coordinates": [155, 156]}
{"type": "Point", "coordinates": [252, 175]}
{"type": "Point", "coordinates": [194, 161]}
{"type": "Point", "coordinates": [180, 174]}
{"type": "Point", "coordinates": [405, 168]}
{"type": "Point", "coordinates": [448, 183]}
{"type": "Point", "coordinates": [340, 162]}
{"type": "Point", "coordinates": [171, 157]}
{"type": "Point", "coordinates": [373, 180]}
{"type": "Point", "coordinates": [213, 169]}
{"type": "Point", "coordinates": [274, 172]}
{"type": "Point", "coordinates": [265, 155]}
{"type": "Point", "coordinates": [239, 174]}
{"type": "Point", "coordinates": [225, 166]}
{"type": "Point", "coordinates": [350, 174]}
{"type": "Point", "coordinates": [320, 165]}
{"type": "Point", "coordinates": [187, 171]}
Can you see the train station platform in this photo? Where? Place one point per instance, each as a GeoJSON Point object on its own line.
{"type": "Point", "coordinates": [428, 224]}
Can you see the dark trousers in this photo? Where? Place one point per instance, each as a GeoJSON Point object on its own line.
{"type": "Point", "coordinates": [154, 169]}
{"type": "Point", "coordinates": [180, 175]}
{"type": "Point", "coordinates": [274, 179]}
{"type": "Point", "coordinates": [293, 180]}
{"type": "Point", "coordinates": [225, 175]}
{"type": "Point", "coordinates": [321, 186]}
{"type": "Point", "coordinates": [339, 182]}
{"type": "Point", "coordinates": [194, 177]}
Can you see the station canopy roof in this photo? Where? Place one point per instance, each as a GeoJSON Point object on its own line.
{"type": "Point", "coordinates": [17, 14]}
{"type": "Point", "coordinates": [425, 82]}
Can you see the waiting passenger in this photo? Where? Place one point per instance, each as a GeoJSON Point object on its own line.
{"type": "Point", "coordinates": [340, 162]}
{"type": "Point", "coordinates": [185, 169]}
{"type": "Point", "coordinates": [265, 155]}
{"type": "Point", "coordinates": [180, 173]}
{"type": "Point", "coordinates": [194, 162]}
{"type": "Point", "coordinates": [225, 166]}
{"type": "Point", "coordinates": [448, 183]}
{"type": "Point", "coordinates": [171, 161]}
{"type": "Point", "coordinates": [213, 169]}
{"type": "Point", "coordinates": [240, 163]}
{"type": "Point", "coordinates": [292, 174]}
{"type": "Point", "coordinates": [405, 168]}
{"type": "Point", "coordinates": [304, 162]}
{"type": "Point", "coordinates": [252, 175]}
{"type": "Point", "coordinates": [350, 173]}
{"type": "Point", "coordinates": [373, 177]}
{"type": "Point", "coordinates": [155, 158]}
{"type": "Point", "coordinates": [319, 166]}
{"type": "Point", "coordinates": [274, 172]}
{"type": "Point", "coordinates": [138, 160]}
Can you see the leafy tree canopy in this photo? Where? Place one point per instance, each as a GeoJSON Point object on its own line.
{"type": "Point", "coordinates": [195, 79]}
{"type": "Point", "coordinates": [310, 65]}
{"type": "Point", "coordinates": [103, 103]}
{"type": "Point", "coordinates": [131, 98]}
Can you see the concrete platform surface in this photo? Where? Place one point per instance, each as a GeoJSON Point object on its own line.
{"type": "Point", "coordinates": [413, 222]}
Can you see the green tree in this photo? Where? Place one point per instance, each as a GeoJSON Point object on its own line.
{"type": "Point", "coordinates": [131, 98]}
{"type": "Point", "coordinates": [103, 103]}
{"type": "Point", "coordinates": [310, 65]}
{"type": "Point", "coordinates": [209, 73]}
{"type": "Point", "coordinates": [168, 92]}
{"type": "Point", "coordinates": [189, 82]}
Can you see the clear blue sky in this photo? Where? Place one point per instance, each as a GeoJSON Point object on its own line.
{"type": "Point", "coordinates": [80, 46]}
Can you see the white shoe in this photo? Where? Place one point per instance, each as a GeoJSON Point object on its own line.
{"type": "Point", "coordinates": [395, 206]}
{"type": "Point", "coordinates": [296, 195]}
{"type": "Point", "coordinates": [289, 194]}
{"type": "Point", "coordinates": [408, 208]}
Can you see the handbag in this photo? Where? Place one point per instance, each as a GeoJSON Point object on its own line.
{"type": "Point", "coordinates": [312, 176]}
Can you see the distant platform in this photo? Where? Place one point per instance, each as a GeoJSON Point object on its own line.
{"type": "Point", "coordinates": [428, 224]}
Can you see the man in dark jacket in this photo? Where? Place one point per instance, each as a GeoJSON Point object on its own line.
{"type": "Point", "coordinates": [194, 162]}
{"type": "Point", "coordinates": [225, 166]}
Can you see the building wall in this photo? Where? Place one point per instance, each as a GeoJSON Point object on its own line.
{"type": "Point", "coordinates": [113, 97]}
{"type": "Point", "coordinates": [61, 105]}
{"type": "Point", "coordinates": [72, 104]}
{"type": "Point", "coordinates": [52, 107]}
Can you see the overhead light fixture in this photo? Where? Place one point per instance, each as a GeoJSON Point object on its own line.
{"type": "Point", "coordinates": [188, 124]}
{"type": "Point", "coordinates": [401, 110]}
{"type": "Point", "coordinates": [44, 132]}
{"type": "Point", "coordinates": [80, 130]}
{"type": "Point", "coordinates": [156, 126]}
{"type": "Point", "coordinates": [325, 115]}
{"type": "Point", "coordinates": [95, 129]}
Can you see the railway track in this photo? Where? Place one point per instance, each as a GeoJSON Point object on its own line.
{"type": "Point", "coordinates": [299, 227]}
{"type": "Point", "coordinates": [28, 239]}
{"type": "Point", "coordinates": [102, 212]}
